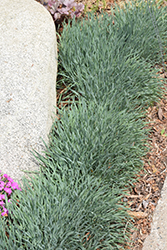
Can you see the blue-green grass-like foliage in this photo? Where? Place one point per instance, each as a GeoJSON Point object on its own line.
{"type": "Point", "coordinates": [75, 201]}
{"type": "Point", "coordinates": [99, 140]}
{"type": "Point", "coordinates": [144, 25]}
{"type": "Point", "coordinates": [71, 212]}
{"type": "Point", "coordinates": [97, 56]}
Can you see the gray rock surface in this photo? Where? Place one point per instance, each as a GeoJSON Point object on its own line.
{"type": "Point", "coordinates": [157, 240]}
{"type": "Point", "coordinates": [28, 69]}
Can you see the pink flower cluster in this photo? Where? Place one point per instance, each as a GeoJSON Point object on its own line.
{"type": "Point", "coordinates": [7, 185]}
{"type": "Point", "coordinates": [65, 7]}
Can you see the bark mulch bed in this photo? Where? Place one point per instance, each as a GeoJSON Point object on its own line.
{"type": "Point", "coordinates": [144, 196]}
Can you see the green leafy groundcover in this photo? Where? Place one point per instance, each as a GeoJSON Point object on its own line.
{"type": "Point", "coordinates": [95, 149]}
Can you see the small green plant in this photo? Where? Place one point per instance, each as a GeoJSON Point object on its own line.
{"type": "Point", "coordinates": [104, 4]}
{"type": "Point", "coordinates": [95, 7]}
{"type": "Point", "coordinates": [163, 131]}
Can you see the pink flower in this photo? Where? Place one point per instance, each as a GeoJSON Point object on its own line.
{"type": "Point", "coordinates": [8, 184]}
{"type": "Point", "coordinates": [64, 11]}
{"type": "Point", "coordinates": [8, 190]}
{"type": "Point", "coordinates": [10, 179]}
{"type": "Point", "coordinates": [1, 203]}
{"type": "Point", "coordinates": [2, 197]}
{"type": "Point", "coordinates": [14, 185]}
{"type": "Point", "coordinates": [78, 9]}
{"type": "Point", "coordinates": [6, 176]}
{"type": "Point", "coordinates": [57, 16]}
{"type": "Point", "coordinates": [2, 183]}
{"type": "Point", "coordinates": [69, 3]}
{"type": "Point", "coordinates": [5, 211]}
{"type": "Point", "coordinates": [53, 5]}
{"type": "Point", "coordinates": [67, 7]}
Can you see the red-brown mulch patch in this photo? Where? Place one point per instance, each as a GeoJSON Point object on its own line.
{"type": "Point", "coordinates": [144, 196]}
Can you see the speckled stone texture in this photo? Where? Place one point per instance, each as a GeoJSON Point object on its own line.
{"type": "Point", "coordinates": [28, 69]}
{"type": "Point", "coordinates": [157, 240]}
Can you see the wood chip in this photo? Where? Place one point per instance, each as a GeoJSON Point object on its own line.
{"type": "Point", "coordinates": [134, 196]}
{"type": "Point", "coordinates": [148, 196]}
{"type": "Point", "coordinates": [160, 114]}
{"type": "Point", "coordinates": [145, 204]}
{"type": "Point", "coordinates": [138, 214]}
{"type": "Point", "coordinates": [140, 241]}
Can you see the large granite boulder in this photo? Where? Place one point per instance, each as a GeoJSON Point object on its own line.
{"type": "Point", "coordinates": [28, 69]}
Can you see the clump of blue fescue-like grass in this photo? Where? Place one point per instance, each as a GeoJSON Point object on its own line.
{"type": "Point", "coordinates": [96, 147]}
{"type": "Point", "coordinates": [144, 26]}
{"type": "Point", "coordinates": [65, 211]}
{"type": "Point", "coordinates": [99, 140]}
{"type": "Point", "coordinates": [97, 57]}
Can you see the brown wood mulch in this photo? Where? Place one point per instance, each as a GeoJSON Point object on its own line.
{"type": "Point", "coordinates": [144, 196]}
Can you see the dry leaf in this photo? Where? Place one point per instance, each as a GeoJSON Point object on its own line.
{"type": "Point", "coordinates": [154, 169]}
{"type": "Point", "coordinates": [148, 196]}
{"type": "Point", "coordinates": [152, 207]}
